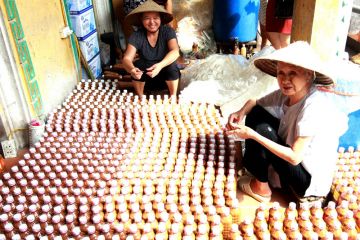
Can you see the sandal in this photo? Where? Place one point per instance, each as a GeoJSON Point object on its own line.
{"type": "Point", "coordinates": [243, 172]}
{"type": "Point", "coordinates": [244, 185]}
{"type": "Point", "coordinates": [309, 199]}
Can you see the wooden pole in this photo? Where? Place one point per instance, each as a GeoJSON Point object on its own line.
{"type": "Point", "coordinates": [316, 21]}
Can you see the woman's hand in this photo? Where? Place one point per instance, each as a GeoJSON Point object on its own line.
{"type": "Point", "coordinates": [136, 73]}
{"type": "Point", "coordinates": [154, 70]}
{"type": "Point", "coordinates": [234, 120]}
{"type": "Point", "coordinates": [242, 132]}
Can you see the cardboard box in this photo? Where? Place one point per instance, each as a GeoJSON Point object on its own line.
{"type": "Point", "coordinates": [95, 67]}
{"type": "Point", "coordinates": [83, 22]}
{"type": "Point", "coordinates": [78, 5]}
{"type": "Point", "coordinates": [89, 45]}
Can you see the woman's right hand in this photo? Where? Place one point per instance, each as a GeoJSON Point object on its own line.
{"type": "Point", "coordinates": [136, 73]}
{"type": "Point", "coordinates": [234, 120]}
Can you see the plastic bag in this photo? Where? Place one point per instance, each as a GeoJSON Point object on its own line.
{"type": "Point", "coordinates": [226, 81]}
{"type": "Point", "coordinates": [194, 25]}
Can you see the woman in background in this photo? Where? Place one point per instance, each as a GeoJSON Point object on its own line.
{"type": "Point", "coordinates": [129, 5]}
{"type": "Point", "coordinates": [278, 29]}
{"type": "Point", "coordinates": [157, 47]}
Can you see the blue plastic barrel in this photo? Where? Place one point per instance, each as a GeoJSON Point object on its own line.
{"type": "Point", "coordinates": [235, 19]}
{"type": "Point", "coordinates": [352, 135]}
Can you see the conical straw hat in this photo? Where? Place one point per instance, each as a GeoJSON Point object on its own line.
{"type": "Point", "coordinates": [134, 17]}
{"type": "Point", "coordinates": [300, 54]}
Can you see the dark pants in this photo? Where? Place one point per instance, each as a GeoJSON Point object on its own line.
{"type": "Point", "coordinates": [168, 73]}
{"type": "Point", "coordinates": [257, 158]}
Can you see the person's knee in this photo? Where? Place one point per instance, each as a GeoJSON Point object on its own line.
{"type": "Point", "coordinates": [259, 120]}
{"type": "Point", "coordinates": [170, 73]}
{"type": "Point", "coordinates": [252, 118]}
{"type": "Point", "coordinates": [140, 64]}
{"type": "Point", "coordinates": [265, 130]}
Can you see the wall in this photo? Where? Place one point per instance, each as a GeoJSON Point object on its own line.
{"type": "Point", "coordinates": [54, 64]}
{"type": "Point", "coordinates": [355, 19]}
{"type": "Point", "coordinates": [40, 67]}
{"type": "Point", "coordinates": [343, 27]}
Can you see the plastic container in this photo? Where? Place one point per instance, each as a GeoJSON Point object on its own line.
{"type": "Point", "coordinates": [352, 136]}
{"type": "Point", "coordinates": [235, 19]}
{"type": "Point", "coordinates": [36, 131]}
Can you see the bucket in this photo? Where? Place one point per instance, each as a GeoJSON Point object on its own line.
{"type": "Point", "coordinates": [36, 130]}
{"type": "Point", "coordinates": [235, 19]}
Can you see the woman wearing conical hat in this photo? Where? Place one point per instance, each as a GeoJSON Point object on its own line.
{"type": "Point", "coordinates": [157, 47]}
{"type": "Point", "coordinates": [126, 6]}
{"type": "Point", "coordinates": [294, 129]}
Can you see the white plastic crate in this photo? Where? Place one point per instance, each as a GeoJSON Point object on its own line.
{"type": "Point", "coordinates": [89, 45]}
{"type": "Point", "coordinates": [83, 22]}
{"type": "Point", "coordinates": [78, 5]}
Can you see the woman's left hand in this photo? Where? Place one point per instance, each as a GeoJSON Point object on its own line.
{"type": "Point", "coordinates": [242, 132]}
{"type": "Point", "coordinates": [154, 70]}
